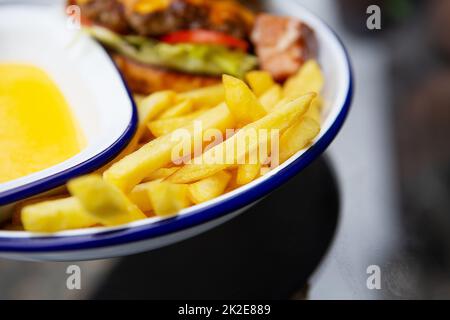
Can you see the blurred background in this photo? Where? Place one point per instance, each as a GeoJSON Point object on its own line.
{"type": "Point", "coordinates": [391, 162]}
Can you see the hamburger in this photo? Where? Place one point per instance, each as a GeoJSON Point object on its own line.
{"type": "Point", "coordinates": [187, 44]}
{"type": "Point", "coordinates": [172, 44]}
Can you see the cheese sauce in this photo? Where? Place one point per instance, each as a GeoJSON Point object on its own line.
{"type": "Point", "coordinates": [37, 129]}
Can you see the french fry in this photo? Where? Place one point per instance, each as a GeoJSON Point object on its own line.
{"type": "Point", "coordinates": [232, 184]}
{"type": "Point", "coordinates": [153, 105]}
{"type": "Point", "coordinates": [281, 119]}
{"type": "Point", "coordinates": [165, 126]}
{"type": "Point", "coordinates": [104, 201]}
{"type": "Point", "coordinates": [167, 199]}
{"type": "Point", "coordinates": [181, 109]}
{"type": "Point", "coordinates": [271, 97]}
{"type": "Point", "coordinates": [259, 81]}
{"type": "Point", "coordinates": [159, 101]}
{"type": "Point", "coordinates": [318, 102]}
{"type": "Point", "coordinates": [16, 218]}
{"type": "Point", "coordinates": [207, 97]}
{"type": "Point", "coordinates": [161, 173]}
{"type": "Point", "coordinates": [247, 173]}
{"type": "Point", "coordinates": [156, 154]}
{"type": "Point", "coordinates": [218, 157]}
{"type": "Point", "coordinates": [140, 195]}
{"type": "Point", "coordinates": [241, 101]}
{"type": "Point", "coordinates": [297, 137]}
{"type": "Point", "coordinates": [314, 110]}
{"type": "Point", "coordinates": [56, 215]}
{"type": "Point", "coordinates": [209, 188]}
{"type": "Point", "coordinates": [148, 109]}
{"type": "Point", "coordinates": [308, 79]}
{"type": "Point", "coordinates": [130, 148]}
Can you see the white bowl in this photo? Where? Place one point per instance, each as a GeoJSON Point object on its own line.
{"type": "Point", "coordinates": [88, 79]}
{"type": "Point", "coordinates": [153, 233]}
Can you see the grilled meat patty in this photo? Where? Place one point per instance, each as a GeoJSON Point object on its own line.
{"type": "Point", "coordinates": [147, 18]}
{"type": "Point", "coordinates": [107, 13]}
{"type": "Point", "coordinates": [179, 15]}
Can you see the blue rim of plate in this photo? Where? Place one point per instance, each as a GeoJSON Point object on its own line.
{"type": "Point", "coordinates": [197, 217]}
{"type": "Point", "coordinates": [90, 165]}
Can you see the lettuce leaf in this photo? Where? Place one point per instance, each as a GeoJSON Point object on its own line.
{"type": "Point", "coordinates": [190, 58]}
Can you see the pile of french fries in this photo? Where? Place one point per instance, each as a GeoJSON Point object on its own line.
{"type": "Point", "coordinates": [145, 182]}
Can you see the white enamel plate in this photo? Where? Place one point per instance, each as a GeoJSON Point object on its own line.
{"type": "Point", "coordinates": [102, 105]}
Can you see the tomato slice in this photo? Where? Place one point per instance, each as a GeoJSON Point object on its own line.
{"type": "Point", "coordinates": [205, 37]}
